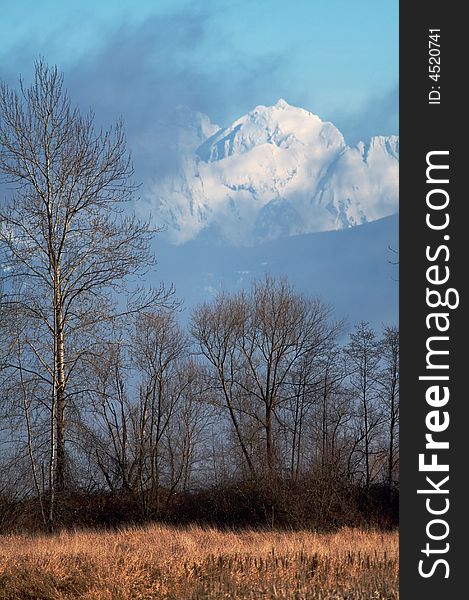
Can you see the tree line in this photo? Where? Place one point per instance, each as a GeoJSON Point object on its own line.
{"type": "Point", "coordinates": [260, 410]}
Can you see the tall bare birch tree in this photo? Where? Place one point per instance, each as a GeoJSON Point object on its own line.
{"type": "Point", "coordinates": [67, 248]}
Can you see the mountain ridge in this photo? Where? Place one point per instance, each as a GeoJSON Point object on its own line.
{"type": "Point", "coordinates": [275, 172]}
{"type": "Point", "coordinates": [353, 270]}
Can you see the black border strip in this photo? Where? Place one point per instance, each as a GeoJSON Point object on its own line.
{"type": "Point", "coordinates": [426, 128]}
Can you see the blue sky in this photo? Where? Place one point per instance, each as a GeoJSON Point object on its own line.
{"type": "Point", "coordinates": [337, 58]}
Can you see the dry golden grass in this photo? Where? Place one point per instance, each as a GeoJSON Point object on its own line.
{"type": "Point", "coordinates": [195, 564]}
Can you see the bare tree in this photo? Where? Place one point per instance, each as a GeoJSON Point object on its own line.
{"type": "Point", "coordinates": [146, 417]}
{"type": "Point", "coordinates": [363, 358]}
{"type": "Point", "coordinates": [389, 394]}
{"type": "Point", "coordinates": [254, 341]}
{"type": "Point", "coordinates": [108, 426]}
{"type": "Point", "coordinates": [215, 328]}
{"type": "Point", "coordinates": [159, 350]}
{"type": "Point", "coordinates": [313, 415]}
{"type": "Point", "coordinates": [66, 246]}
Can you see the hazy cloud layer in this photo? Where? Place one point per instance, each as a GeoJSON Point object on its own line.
{"type": "Point", "coordinates": [144, 72]}
{"type": "Point", "coordinates": [379, 116]}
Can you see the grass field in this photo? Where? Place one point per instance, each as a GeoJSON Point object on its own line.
{"type": "Point", "coordinates": [195, 564]}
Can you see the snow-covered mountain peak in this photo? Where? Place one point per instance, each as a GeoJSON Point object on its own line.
{"type": "Point", "coordinates": [276, 171]}
{"type": "Point", "coordinates": [281, 103]}
{"type": "Point", "coordinates": [280, 125]}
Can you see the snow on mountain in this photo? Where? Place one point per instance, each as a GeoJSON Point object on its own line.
{"type": "Point", "coordinates": [277, 171]}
